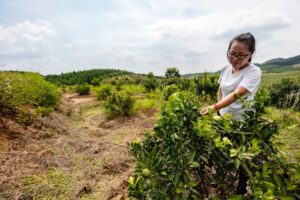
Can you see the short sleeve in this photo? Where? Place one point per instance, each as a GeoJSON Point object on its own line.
{"type": "Point", "coordinates": [251, 80]}
{"type": "Point", "coordinates": [221, 75]}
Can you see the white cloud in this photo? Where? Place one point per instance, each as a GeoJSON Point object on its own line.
{"type": "Point", "coordinates": [25, 39]}
{"type": "Point", "coordinates": [145, 36]}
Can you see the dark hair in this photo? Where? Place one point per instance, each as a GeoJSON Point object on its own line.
{"type": "Point", "coordinates": [246, 38]}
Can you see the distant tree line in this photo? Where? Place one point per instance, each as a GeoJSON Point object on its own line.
{"type": "Point", "coordinates": [92, 76]}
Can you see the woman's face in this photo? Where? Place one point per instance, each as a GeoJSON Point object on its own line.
{"type": "Point", "coordinates": [238, 54]}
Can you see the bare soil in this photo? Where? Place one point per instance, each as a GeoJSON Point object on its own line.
{"type": "Point", "coordinates": [80, 142]}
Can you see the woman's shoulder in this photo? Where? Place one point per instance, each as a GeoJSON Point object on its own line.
{"type": "Point", "coordinates": [224, 68]}
{"type": "Point", "coordinates": [255, 67]}
{"type": "Point", "coordinates": [253, 70]}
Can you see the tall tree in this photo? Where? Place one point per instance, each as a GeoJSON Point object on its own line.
{"type": "Point", "coordinates": [172, 72]}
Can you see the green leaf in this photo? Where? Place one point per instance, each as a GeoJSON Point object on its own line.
{"type": "Point", "coordinates": [247, 169]}
{"type": "Point", "coordinates": [226, 141]}
{"type": "Point", "coordinates": [192, 157]}
{"type": "Point", "coordinates": [233, 152]}
{"type": "Point", "coordinates": [163, 173]}
{"type": "Point", "coordinates": [236, 197]}
{"type": "Point", "coordinates": [131, 180]}
{"type": "Point", "coordinates": [204, 159]}
{"type": "Point", "coordinates": [193, 183]}
{"type": "Point", "coordinates": [194, 164]}
{"type": "Point", "coordinates": [237, 163]}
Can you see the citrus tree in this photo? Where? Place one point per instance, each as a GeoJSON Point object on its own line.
{"type": "Point", "coordinates": [188, 156]}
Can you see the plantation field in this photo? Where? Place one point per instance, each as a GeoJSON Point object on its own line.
{"type": "Point", "coordinates": [270, 78]}
{"type": "Point", "coordinates": [84, 142]}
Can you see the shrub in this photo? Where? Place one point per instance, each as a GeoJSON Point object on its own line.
{"type": "Point", "coordinates": [172, 72]}
{"type": "Point", "coordinates": [83, 89]}
{"type": "Point", "coordinates": [150, 84]}
{"type": "Point", "coordinates": [144, 105]}
{"type": "Point", "coordinates": [286, 94]}
{"type": "Point", "coordinates": [191, 157]}
{"type": "Point", "coordinates": [133, 89]}
{"type": "Point", "coordinates": [206, 85]}
{"type": "Point", "coordinates": [104, 91]}
{"type": "Point", "coordinates": [19, 90]}
{"type": "Point", "coordinates": [169, 90]}
{"type": "Point", "coordinates": [96, 81]}
{"type": "Point", "coordinates": [119, 104]}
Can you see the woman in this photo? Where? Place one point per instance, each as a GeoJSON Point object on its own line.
{"type": "Point", "coordinates": [238, 78]}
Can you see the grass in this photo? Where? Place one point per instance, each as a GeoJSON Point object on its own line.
{"type": "Point", "coordinates": [270, 78]}
{"type": "Point", "coordinates": [134, 89]}
{"type": "Point", "coordinates": [144, 105]}
{"type": "Point", "coordinates": [54, 184]}
{"type": "Point", "coordinates": [288, 138]}
{"type": "Point", "coordinates": [93, 109]}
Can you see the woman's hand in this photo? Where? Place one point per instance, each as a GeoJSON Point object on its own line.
{"type": "Point", "coordinates": [206, 110]}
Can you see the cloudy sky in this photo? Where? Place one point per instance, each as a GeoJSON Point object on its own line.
{"type": "Point", "coordinates": [54, 36]}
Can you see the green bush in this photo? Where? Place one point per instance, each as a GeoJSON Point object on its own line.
{"type": "Point", "coordinates": [169, 90]}
{"type": "Point", "coordinates": [20, 90]}
{"type": "Point", "coordinates": [150, 84]}
{"type": "Point", "coordinates": [206, 85]}
{"type": "Point", "coordinates": [144, 105]}
{"type": "Point", "coordinates": [104, 91]}
{"type": "Point", "coordinates": [83, 89]}
{"type": "Point", "coordinates": [187, 156]}
{"type": "Point", "coordinates": [119, 104]}
{"type": "Point", "coordinates": [133, 89]}
{"type": "Point", "coordinates": [286, 94]}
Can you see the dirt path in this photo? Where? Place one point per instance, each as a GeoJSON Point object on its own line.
{"type": "Point", "coordinates": [89, 156]}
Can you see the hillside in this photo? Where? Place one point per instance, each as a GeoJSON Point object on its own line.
{"type": "Point", "coordinates": [283, 61]}
{"type": "Point", "coordinates": [85, 76]}
{"type": "Point", "coordinates": [281, 64]}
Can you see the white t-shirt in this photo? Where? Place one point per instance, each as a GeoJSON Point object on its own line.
{"type": "Point", "coordinates": [249, 78]}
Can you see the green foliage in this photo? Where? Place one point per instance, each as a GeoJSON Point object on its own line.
{"type": "Point", "coordinates": [206, 85]}
{"type": "Point", "coordinates": [87, 76]}
{"type": "Point", "coordinates": [269, 79]}
{"type": "Point", "coordinates": [22, 91]}
{"type": "Point", "coordinates": [119, 104]}
{"type": "Point", "coordinates": [104, 91]}
{"type": "Point", "coordinates": [83, 89]}
{"type": "Point", "coordinates": [150, 75]}
{"type": "Point", "coordinates": [133, 89]}
{"type": "Point", "coordinates": [279, 68]}
{"type": "Point", "coordinates": [288, 137]}
{"type": "Point", "coordinates": [182, 83]}
{"type": "Point", "coordinates": [172, 72]}
{"type": "Point", "coordinates": [44, 111]}
{"type": "Point", "coordinates": [144, 105]}
{"type": "Point", "coordinates": [96, 81]}
{"type": "Point", "coordinates": [192, 157]}
{"type": "Point", "coordinates": [169, 90]}
{"type": "Point", "coordinates": [283, 62]}
{"type": "Point", "coordinates": [286, 94]}
{"type": "Point", "coordinates": [150, 83]}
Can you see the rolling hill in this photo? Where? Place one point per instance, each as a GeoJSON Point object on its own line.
{"type": "Point", "coordinates": [275, 65]}
{"type": "Point", "coordinates": [281, 64]}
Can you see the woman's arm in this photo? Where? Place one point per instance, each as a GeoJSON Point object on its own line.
{"type": "Point", "coordinates": [219, 94]}
{"type": "Point", "coordinates": [229, 99]}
